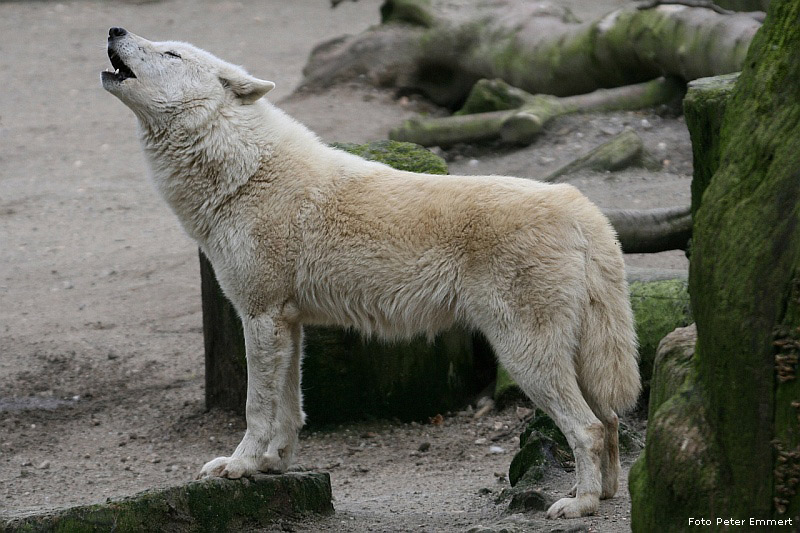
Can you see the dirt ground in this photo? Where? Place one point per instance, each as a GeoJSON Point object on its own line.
{"type": "Point", "coordinates": [101, 349]}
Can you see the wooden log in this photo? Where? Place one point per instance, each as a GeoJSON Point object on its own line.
{"type": "Point", "coordinates": [442, 48]}
{"type": "Point", "coordinates": [652, 230]}
{"type": "Point", "coordinates": [521, 125]}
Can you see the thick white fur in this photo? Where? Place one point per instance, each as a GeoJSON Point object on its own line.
{"type": "Point", "coordinates": [301, 233]}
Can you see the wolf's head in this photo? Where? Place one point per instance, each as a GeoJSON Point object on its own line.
{"type": "Point", "coordinates": [165, 82]}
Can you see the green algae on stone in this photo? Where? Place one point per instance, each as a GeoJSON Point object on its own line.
{"type": "Point", "coordinates": [400, 155]}
{"type": "Point", "coordinates": [703, 108]}
{"type": "Point", "coordinates": [673, 364]}
{"type": "Point", "coordinates": [680, 465]}
{"type": "Point", "coordinates": [658, 308]}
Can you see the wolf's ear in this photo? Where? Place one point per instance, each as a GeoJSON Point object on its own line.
{"type": "Point", "coordinates": [244, 86]}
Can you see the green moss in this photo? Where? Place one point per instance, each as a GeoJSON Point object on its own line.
{"type": "Point", "coordinates": [741, 395]}
{"type": "Point", "coordinates": [745, 252]}
{"type": "Point", "coordinates": [541, 444]}
{"type": "Point", "coordinates": [658, 308]}
{"type": "Point", "coordinates": [673, 364]}
{"type": "Point", "coordinates": [704, 107]}
{"type": "Point", "coordinates": [400, 155]}
{"type": "Point", "coordinates": [506, 390]}
{"type": "Point", "coordinates": [492, 95]}
{"type": "Point", "coordinates": [680, 465]}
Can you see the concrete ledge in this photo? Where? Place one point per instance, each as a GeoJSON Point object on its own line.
{"type": "Point", "coordinates": [207, 505]}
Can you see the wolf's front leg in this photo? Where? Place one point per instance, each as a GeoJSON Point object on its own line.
{"type": "Point", "coordinates": [273, 412]}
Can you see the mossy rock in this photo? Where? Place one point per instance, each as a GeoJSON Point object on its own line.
{"type": "Point", "coordinates": [680, 464]}
{"type": "Point", "coordinates": [493, 95]}
{"type": "Point", "coordinates": [703, 108]}
{"type": "Point", "coordinates": [738, 405]}
{"type": "Point", "coordinates": [506, 391]}
{"type": "Point", "coordinates": [673, 364]}
{"type": "Point", "coordinates": [210, 505]}
{"type": "Point", "coordinates": [400, 155]}
{"type": "Point", "coordinates": [658, 308]}
{"type": "Point", "coordinates": [543, 445]}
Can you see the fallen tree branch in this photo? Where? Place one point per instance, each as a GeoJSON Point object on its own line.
{"type": "Point", "coordinates": [522, 124]}
{"type": "Point", "coordinates": [652, 230]}
{"type": "Point", "coordinates": [621, 151]}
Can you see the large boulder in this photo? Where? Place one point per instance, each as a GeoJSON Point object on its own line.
{"type": "Point", "coordinates": [658, 308]}
{"type": "Point", "coordinates": [727, 444]}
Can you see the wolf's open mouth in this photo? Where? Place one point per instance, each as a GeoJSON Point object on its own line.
{"type": "Point", "coordinates": [122, 71]}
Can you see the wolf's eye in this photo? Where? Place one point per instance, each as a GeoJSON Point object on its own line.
{"type": "Point", "coordinates": [173, 54]}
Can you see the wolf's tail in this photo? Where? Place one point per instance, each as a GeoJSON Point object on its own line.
{"type": "Point", "coordinates": [607, 365]}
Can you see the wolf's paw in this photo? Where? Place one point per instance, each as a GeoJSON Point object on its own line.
{"type": "Point", "coordinates": [229, 467]}
{"type": "Point", "coordinates": [583, 505]}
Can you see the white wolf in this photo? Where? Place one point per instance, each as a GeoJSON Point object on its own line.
{"type": "Point", "coordinates": [301, 233]}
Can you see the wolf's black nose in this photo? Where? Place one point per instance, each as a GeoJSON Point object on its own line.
{"type": "Point", "coordinates": [117, 32]}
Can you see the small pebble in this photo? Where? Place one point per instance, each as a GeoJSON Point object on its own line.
{"type": "Point", "coordinates": [496, 450]}
{"type": "Point", "coordinates": [44, 465]}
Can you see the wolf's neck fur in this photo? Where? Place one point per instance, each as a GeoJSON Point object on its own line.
{"type": "Point", "coordinates": [198, 170]}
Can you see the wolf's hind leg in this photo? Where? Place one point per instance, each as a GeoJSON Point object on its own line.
{"type": "Point", "coordinates": [543, 366]}
{"type": "Point", "coordinates": [609, 460]}
{"type": "Point", "coordinates": [586, 436]}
